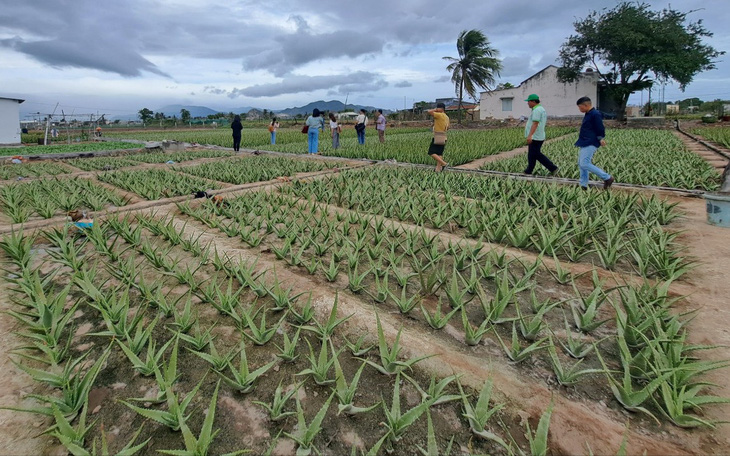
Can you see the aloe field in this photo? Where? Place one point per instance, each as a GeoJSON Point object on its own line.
{"type": "Point", "coordinates": [642, 157]}
{"type": "Point", "coordinates": [719, 135]}
{"type": "Point", "coordinates": [342, 307]}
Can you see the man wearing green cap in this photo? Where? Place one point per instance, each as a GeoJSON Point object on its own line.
{"type": "Point", "coordinates": [535, 134]}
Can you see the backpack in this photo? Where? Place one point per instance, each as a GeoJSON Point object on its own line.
{"type": "Point", "coordinates": [271, 128]}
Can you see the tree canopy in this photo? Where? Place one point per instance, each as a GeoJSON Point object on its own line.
{"type": "Point", "coordinates": [145, 114]}
{"type": "Point", "coordinates": [476, 65]}
{"type": "Point", "coordinates": [631, 45]}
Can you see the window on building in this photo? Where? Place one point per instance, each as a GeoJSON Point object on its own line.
{"type": "Point", "coordinates": [507, 104]}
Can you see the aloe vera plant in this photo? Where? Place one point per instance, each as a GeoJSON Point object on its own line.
{"type": "Point", "coordinates": [17, 247]}
{"type": "Point", "coordinates": [217, 361]}
{"type": "Point", "coordinates": [567, 375]}
{"type": "Point", "coordinates": [289, 352]}
{"type": "Point", "coordinates": [306, 314]}
{"type": "Point", "coordinates": [198, 339]}
{"type": "Point", "coordinates": [389, 363]}
{"type": "Point", "coordinates": [516, 352]}
{"type": "Point", "coordinates": [174, 416]}
{"type": "Point", "coordinates": [396, 421]}
{"type": "Point", "coordinates": [538, 439]}
{"type": "Point", "coordinates": [320, 365]}
{"type": "Point", "coordinates": [473, 335]}
{"type": "Point", "coordinates": [436, 391]}
{"type": "Point", "coordinates": [198, 446]}
{"type": "Point", "coordinates": [279, 401]}
{"type": "Point", "coordinates": [260, 334]}
{"type": "Point", "coordinates": [326, 330]}
{"type": "Point", "coordinates": [147, 367]}
{"type": "Point", "coordinates": [438, 319]}
{"type": "Point", "coordinates": [432, 448]}
{"type": "Point", "coordinates": [479, 414]}
{"type": "Point", "coordinates": [585, 314]}
{"type": "Point", "coordinates": [305, 433]}
{"type": "Point", "coordinates": [74, 393]}
{"type": "Point", "coordinates": [345, 392]}
{"type": "Point", "coordinates": [242, 379]}
{"type": "Point", "coordinates": [404, 303]}
{"type": "Point", "coordinates": [359, 347]}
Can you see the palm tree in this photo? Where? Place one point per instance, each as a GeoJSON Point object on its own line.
{"type": "Point", "coordinates": [476, 66]}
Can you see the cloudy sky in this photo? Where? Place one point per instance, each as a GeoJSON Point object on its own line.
{"type": "Point", "coordinates": [117, 57]}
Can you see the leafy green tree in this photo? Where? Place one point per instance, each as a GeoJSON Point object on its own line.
{"type": "Point", "coordinates": [476, 66]}
{"type": "Point", "coordinates": [145, 115]}
{"type": "Point", "coordinates": [630, 46]}
{"type": "Point", "coordinates": [185, 115]}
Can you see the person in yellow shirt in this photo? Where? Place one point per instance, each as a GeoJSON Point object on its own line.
{"type": "Point", "coordinates": [438, 143]}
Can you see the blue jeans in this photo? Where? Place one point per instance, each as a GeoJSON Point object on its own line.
{"type": "Point", "coordinates": [273, 137]}
{"type": "Point", "coordinates": [313, 137]}
{"type": "Point", "coordinates": [585, 164]}
{"type": "Point", "coordinates": [361, 137]}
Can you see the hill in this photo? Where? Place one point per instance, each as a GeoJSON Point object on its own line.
{"type": "Point", "coordinates": [333, 105]}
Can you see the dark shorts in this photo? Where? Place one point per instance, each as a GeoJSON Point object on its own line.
{"type": "Point", "coordinates": [434, 149]}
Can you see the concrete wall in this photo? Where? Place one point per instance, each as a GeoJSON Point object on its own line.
{"type": "Point", "coordinates": [9, 121]}
{"type": "Point", "coordinates": [557, 98]}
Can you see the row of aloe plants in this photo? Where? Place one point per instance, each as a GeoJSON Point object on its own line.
{"type": "Point", "coordinates": [135, 334]}
{"type": "Point", "coordinates": [127, 160]}
{"type": "Point", "coordinates": [255, 168]}
{"type": "Point", "coordinates": [463, 145]}
{"type": "Point", "coordinates": [47, 198]}
{"type": "Point", "coordinates": [618, 231]}
{"type": "Point", "coordinates": [251, 138]}
{"type": "Point", "coordinates": [643, 157]}
{"type": "Point", "coordinates": [67, 148]}
{"type": "Point", "coordinates": [487, 294]}
{"type": "Point", "coordinates": [31, 169]}
{"type": "Point", "coordinates": [154, 184]}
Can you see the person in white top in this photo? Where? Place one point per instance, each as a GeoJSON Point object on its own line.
{"type": "Point", "coordinates": [380, 125]}
{"type": "Point", "coordinates": [335, 130]}
{"type": "Point", "coordinates": [273, 126]}
{"type": "Point", "coordinates": [360, 123]}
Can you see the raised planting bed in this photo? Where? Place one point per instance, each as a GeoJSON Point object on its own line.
{"type": "Point", "coordinates": [154, 184]}
{"type": "Point", "coordinates": [46, 198]}
{"type": "Point", "coordinates": [624, 232]}
{"type": "Point", "coordinates": [67, 148]}
{"type": "Point", "coordinates": [31, 169]}
{"type": "Point", "coordinates": [256, 168]}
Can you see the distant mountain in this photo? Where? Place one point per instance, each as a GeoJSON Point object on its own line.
{"type": "Point", "coordinates": [333, 105]}
{"type": "Point", "coordinates": [195, 111]}
{"type": "Point", "coordinates": [204, 111]}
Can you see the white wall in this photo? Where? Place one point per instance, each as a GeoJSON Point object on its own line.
{"type": "Point", "coordinates": [9, 121]}
{"type": "Point", "coordinates": [556, 97]}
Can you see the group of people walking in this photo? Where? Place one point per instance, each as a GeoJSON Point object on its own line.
{"type": "Point", "coordinates": [591, 136]}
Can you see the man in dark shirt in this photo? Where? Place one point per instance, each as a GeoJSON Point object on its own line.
{"type": "Point", "coordinates": [591, 137]}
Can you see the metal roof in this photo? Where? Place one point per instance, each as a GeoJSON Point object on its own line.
{"type": "Point", "coordinates": [14, 99]}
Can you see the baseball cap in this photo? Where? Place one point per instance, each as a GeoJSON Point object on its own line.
{"type": "Point", "coordinates": [533, 97]}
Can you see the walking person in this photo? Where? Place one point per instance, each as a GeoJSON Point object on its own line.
{"type": "Point", "coordinates": [237, 127]}
{"type": "Point", "coordinates": [360, 123]}
{"type": "Point", "coordinates": [273, 126]}
{"type": "Point", "coordinates": [314, 122]}
{"type": "Point", "coordinates": [380, 126]}
{"type": "Point", "coordinates": [592, 136]}
{"type": "Point", "coordinates": [438, 142]}
{"type": "Point", "coordinates": [335, 130]}
{"type": "Point", "coordinates": [535, 134]}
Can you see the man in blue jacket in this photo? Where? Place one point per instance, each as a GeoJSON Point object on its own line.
{"type": "Point", "coordinates": [591, 137]}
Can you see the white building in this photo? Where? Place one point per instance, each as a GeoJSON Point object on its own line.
{"type": "Point", "coordinates": [10, 120]}
{"type": "Point", "coordinates": [557, 97]}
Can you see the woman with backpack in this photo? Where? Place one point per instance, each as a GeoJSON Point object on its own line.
{"type": "Point", "coordinates": [360, 123]}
